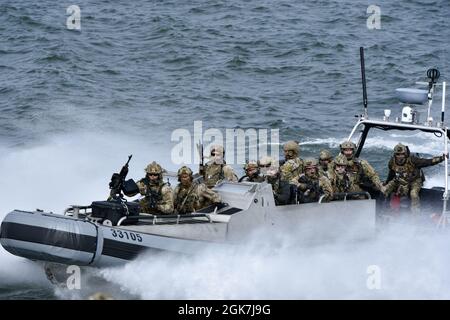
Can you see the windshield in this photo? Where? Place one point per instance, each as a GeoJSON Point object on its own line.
{"type": "Point", "coordinates": [379, 144]}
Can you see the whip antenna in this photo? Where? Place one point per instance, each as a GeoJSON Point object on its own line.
{"type": "Point", "coordinates": [363, 78]}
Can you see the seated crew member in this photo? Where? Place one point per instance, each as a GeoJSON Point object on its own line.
{"type": "Point", "coordinates": [362, 172]}
{"type": "Point", "coordinates": [190, 196]}
{"type": "Point", "coordinates": [342, 181]}
{"type": "Point", "coordinates": [311, 185]}
{"type": "Point", "coordinates": [252, 172]}
{"type": "Point", "coordinates": [158, 195]}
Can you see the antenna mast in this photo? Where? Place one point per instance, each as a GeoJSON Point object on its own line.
{"type": "Point", "coordinates": [363, 78]}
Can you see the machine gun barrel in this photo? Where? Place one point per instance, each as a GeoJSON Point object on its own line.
{"type": "Point", "coordinates": [118, 179]}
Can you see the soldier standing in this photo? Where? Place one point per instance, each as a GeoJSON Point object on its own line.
{"type": "Point", "coordinates": [158, 196]}
{"type": "Point", "coordinates": [293, 165]}
{"type": "Point", "coordinates": [311, 185]}
{"type": "Point", "coordinates": [216, 169]}
{"type": "Point", "coordinates": [325, 159]}
{"type": "Point", "coordinates": [405, 176]}
{"type": "Point", "coordinates": [190, 196]}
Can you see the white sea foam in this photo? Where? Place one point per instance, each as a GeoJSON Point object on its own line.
{"type": "Point", "coordinates": [76, 170]}
{"type": "Point", "coordinates": [409, 266]}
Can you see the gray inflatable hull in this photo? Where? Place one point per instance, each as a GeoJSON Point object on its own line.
{"type": "Point", "coordinates": [251, 209]}
{"type": "Point", "coordinates": [61, 239]}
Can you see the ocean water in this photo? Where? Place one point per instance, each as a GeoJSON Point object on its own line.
{"type": "Point", "coordinates": [75, 103]}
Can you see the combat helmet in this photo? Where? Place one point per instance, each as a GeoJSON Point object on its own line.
{"type": "Point", "coordinates": [154, 168]}
{"type": "Point", "coordinates": [184, 170]}
{"type": "Point", "coordinates": [251, 164]}
{"type": "Point", "coordinates": [400, 149]}
{"type": "Point", "coordinates": [310, 163]}
{"type": "Point", "coordinates": [341, 160]}
{"type": "Point", "coordinates": [347, 145]}
{"type": "Point", "coordinates": [325, 155]}
{"type": "Point", "coordinates": [292, 146]}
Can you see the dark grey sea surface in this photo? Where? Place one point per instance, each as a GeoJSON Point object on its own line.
{"type": "Point", "coordinates": [75, 103]}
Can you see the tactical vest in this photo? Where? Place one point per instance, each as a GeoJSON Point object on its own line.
{"type": "Point", "coordinates": [341, 183]}
{"type": "Point", "coordinates": [152, 197]}
{"type": "Point", "coordinates": [187, 199]}
{"type": "Point", "coordinates": [291, 168]}
{"type": "Point", "coordinates": [358, 176]}
{"type": "Point", "coordinates": [153, 190]}
{"type": "Point", "coordinates": [356, 170]}
{"type": "Point", "coordinates": [407, 172]}
{"type": "Point", "coordinates": [213, 174]}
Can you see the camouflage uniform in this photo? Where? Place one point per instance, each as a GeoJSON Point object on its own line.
{"type": "Point", "coordinates": [312, 186]}
{"type": "Point", "coordinates": [293, 166]}
{"type": "Point", "coordinates": [324, 155]}
{"type": "Point", "coordinates": [407, 179]}
{"type": "Point", "coordinates": [193, 196]}
{"type": "Point", "coordinates": [217, 170]}
{"type": "Point", "coordinates": [252, 177]}
{"type": "Point", "coordinates": [342, 182]}
{"type": "Point", "coordinates": [158, 196]}
{"type": "Point", "coordinates": [362, 173]}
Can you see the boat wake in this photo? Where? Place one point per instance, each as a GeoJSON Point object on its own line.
{"type": "Point", "coordinates": [409, 266]}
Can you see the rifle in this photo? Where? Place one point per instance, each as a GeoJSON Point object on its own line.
{"type": "Point", "coordinates": [313, 188]}
{"type": "Point", "coordinates": [152, 197]}
{"type": "Point", "coordinates": [310, 188]}
{"type": "Point", "coordinates": [118, 180]}
{"type": "Point", "coordinates": [343, 186]}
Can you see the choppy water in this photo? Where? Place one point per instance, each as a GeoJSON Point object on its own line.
{"type": "Point", "coordinates": [75, 103]}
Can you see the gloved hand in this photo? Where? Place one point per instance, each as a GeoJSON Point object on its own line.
{"type": "Point", "coordinates": [383, 190]}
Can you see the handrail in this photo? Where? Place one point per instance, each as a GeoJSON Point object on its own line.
{"type": "Point", "coordinates": [321, 198]}
{"type": "Point", "coordinates": [345, 194]}
{"type": "Point", "coordinates": [75, 210]}
{"type": "Point", "coordinates": [162, 216]}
